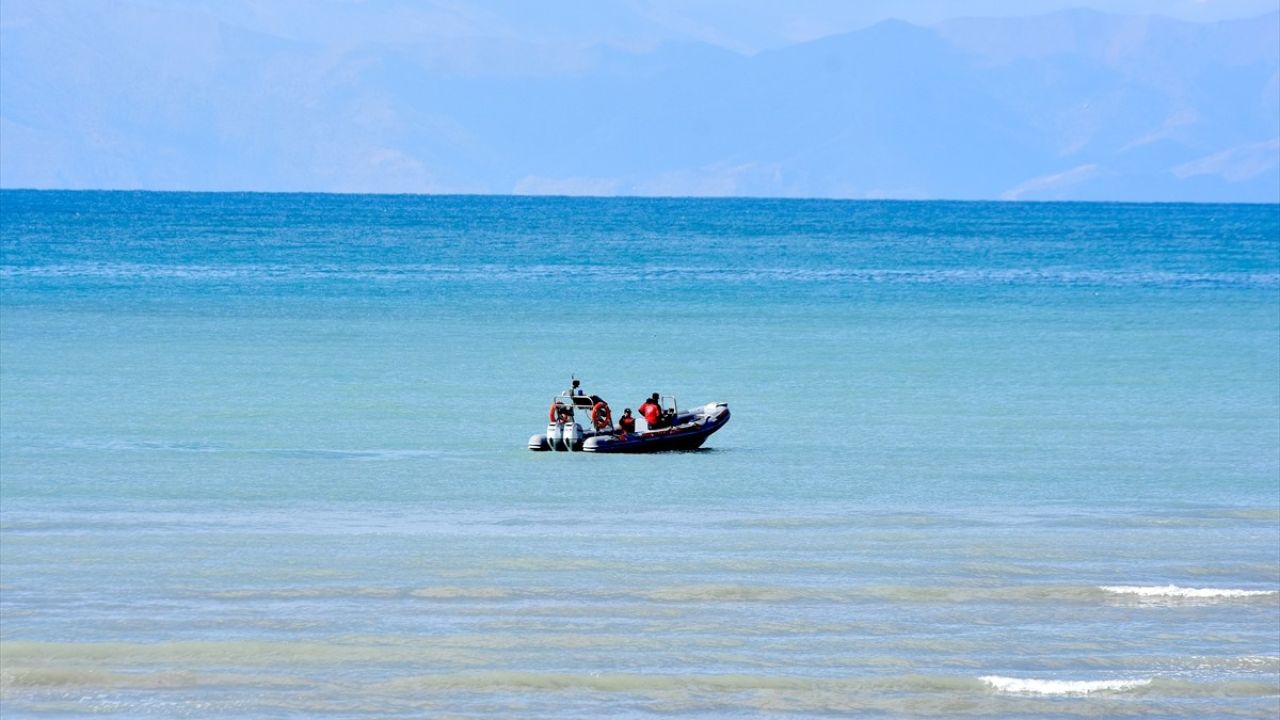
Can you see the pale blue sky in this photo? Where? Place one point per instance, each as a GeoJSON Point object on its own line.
{"type": "Point", "coordinates": [1026, 99]}
{"type": "Point", "coordinates": [745, 26]}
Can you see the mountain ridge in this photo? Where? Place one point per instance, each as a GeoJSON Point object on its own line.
{"type": "Point", "coordinates": [1074, 105]}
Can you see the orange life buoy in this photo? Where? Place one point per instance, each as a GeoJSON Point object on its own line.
{"type": "Point", "coordinates": [555, 407]}
{"type": "Point", "coordinates": [601, 416]}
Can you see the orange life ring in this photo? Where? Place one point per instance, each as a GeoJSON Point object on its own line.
{"type": "Point", "coordinates": [601, 416]}
{"type": "Point", "coordinates": [555, 406]}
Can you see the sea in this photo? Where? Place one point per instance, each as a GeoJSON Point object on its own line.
{"type": "Point", "coordinates": [265, 456]}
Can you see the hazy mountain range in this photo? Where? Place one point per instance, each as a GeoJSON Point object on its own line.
{"type": "Point", "coordinates": [1071, 105]}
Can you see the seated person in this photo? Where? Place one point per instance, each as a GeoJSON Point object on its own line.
{"type": "Point", "coordinates": [626, 423]}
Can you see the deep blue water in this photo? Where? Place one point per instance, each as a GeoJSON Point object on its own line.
{"type": "Point", "coordinates": [264, 456]}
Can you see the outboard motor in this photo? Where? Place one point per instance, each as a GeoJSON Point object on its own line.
{"type": "Point", "coordinates": [572, 435]}
{"type": "Point", "coordinates": [554, 433]}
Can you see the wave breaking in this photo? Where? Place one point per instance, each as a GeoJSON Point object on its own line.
{"type": "Point", "coordinates": [1176, 592]}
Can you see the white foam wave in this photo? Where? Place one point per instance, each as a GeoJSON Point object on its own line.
{"type": "Point", "coordinates": [1173, 591]}
{"type": "Point", "coordinates": [1031, 686]}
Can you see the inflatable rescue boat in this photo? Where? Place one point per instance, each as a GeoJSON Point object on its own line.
{"type": "Point", "coordinates": [679, 430]}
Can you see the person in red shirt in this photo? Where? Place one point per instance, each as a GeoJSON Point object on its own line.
{"type": "Point", "coordinates": [652, 412]}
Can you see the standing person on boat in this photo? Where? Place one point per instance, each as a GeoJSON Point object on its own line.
{"type": "Point", "coordinates": [626, 424]}
{"type": "Point", "coordinates": [652, 412]}
{"type": "Point", "coordinates": [574, 390]}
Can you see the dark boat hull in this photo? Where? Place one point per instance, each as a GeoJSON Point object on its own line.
{"type": "Point", "coordinates": [686, 436]}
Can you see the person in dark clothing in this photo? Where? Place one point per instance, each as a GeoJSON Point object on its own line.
{"type": "Point", "coordinates": [626, 423]}
{"type": "Point", "coordinates": [564, 414]}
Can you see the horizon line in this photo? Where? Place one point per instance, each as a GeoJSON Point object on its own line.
{"type": "Point", "coordinates": [775, 198]}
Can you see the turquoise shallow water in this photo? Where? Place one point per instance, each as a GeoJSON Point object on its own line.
{"type": "Point", "coordinates": [263, 456]}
